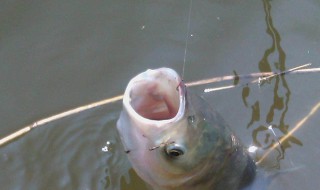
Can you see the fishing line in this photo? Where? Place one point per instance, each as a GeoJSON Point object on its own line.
{"type": "Point", "coordinates": [187, 39]}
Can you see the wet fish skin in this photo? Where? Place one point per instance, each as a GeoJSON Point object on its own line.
{"type": "Point", "coordinates": [175, 140]}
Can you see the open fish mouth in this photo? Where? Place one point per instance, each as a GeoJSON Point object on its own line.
{"type": "Point", "coordinates": [155, 95]}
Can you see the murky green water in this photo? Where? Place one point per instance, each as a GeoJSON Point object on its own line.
{"type": "Point", "coordinates": [56, 55]}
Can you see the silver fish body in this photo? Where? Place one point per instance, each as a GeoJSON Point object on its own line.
{"type": "Point", "coordinates": [175, 140]}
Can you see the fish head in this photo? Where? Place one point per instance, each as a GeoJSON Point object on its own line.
{"type": "Point", "coordinates": [173, 139]}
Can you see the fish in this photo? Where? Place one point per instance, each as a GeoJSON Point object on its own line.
{"type": "Point", "coordinates": [175, 140]}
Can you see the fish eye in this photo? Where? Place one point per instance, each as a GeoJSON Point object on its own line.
{"type": "Point", "coordinates": [174, 150]}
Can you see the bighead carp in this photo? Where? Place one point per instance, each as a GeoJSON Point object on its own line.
{"type": "Point", "coordinates": [175, 140]}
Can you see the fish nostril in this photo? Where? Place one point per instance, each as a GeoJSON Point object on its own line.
{"type": "Point", "coordinates": [174, 150]}
{"type": "Point", "coordinates": [191, 118]}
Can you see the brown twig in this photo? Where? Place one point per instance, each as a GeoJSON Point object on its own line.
{"type": "Point", "coordinates": [41, 122]}
{"type": "Point", "coordinates": [28, 128]}
{"type": "Point", "coordinates": [281, 73]}
{"type": "Point", "coordinates": [289, 134]}
{"type": "Point", "coordinates": [249, 76]}
{"type": "Point", "coordinates": [261, 77]}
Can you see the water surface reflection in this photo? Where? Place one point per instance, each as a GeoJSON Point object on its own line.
{"type": "Point", "coordinates": [264, 125]}
{"type": "Point", "coordinates": [62, 54]}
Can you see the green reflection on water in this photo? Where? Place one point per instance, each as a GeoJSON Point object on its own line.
{"type": "Point", "coordinates": [274, 59]}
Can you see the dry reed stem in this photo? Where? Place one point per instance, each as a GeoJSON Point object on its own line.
{"type": "Point", "coordinates": [41, 122]}
{"type": "Point", "coordinates": [285, 137]}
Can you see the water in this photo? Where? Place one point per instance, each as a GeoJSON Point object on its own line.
{"type": "Point", "coordinates": [56, 55]}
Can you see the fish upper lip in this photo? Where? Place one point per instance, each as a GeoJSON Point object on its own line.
{"type": "Point", "coordinates": [152, 90]}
